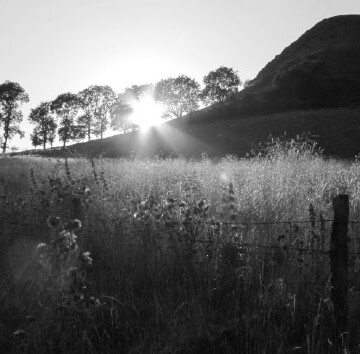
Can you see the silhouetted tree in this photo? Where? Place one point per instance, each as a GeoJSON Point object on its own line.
{"type": "Point", "coordinates": [35, 138]}
{"type": "Point", "coordinates": [74, 132]}
{"type": "Point", "coordinates": [120, 114]}
{"type": "Point", "coordinates": [86, 122]}
{"type": "Point", "coordinates": [220, 85]}
{"type": "Point", "coordinates": [135, 92]}
{"type": "Point", "coordinates": [181, 95]}
{"type": "Point", "coordinates": [88, 100]}
{"type": "Point", "coordinates": [51, 138]}
{"type": "Point", "coordinates": [66, 107]}
{"type": "Point", "coordinates": [96, 101]}
{"type": "Point", "coordinates": [86, 119]}
{"type": "Point", "coordinates": [45, 123]}
{"type": "Point", "coordinates": [12, 95]}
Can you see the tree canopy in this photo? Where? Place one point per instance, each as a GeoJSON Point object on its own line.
{"type": "Point", "coordinates": [220, 84]}
{"type": "Point", "coordinates": [87, 119]}
{"type": "Point", "coordinates": [136, 92]}
{"type": "Point", "coordinates": [181, 95]}
{"type": "Point", "coordinates": [35, 139]}
{"type": "Point", "coordinates": [90, 112]}
{"type": "Point", "coordinates": [120, 114]}
{"type": "Point", "coordinates": [45, 123]}
{"type": "Point", "coordinates": [12, 95]}
{"type": "Point", "coordinates": [97, 102]}
{"type": "Point", "coordinates": [66, 107]}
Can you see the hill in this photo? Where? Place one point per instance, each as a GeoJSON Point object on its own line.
{"type": "Point", "coordinates": [329, 40]}
{"type": "Point", "coordinates": [300, 90]}
{"type": "Point", "coordinates": [319, 70]}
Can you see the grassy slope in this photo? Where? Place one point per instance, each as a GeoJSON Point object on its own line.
{"type": "Point", "coordinates": [338, 130]}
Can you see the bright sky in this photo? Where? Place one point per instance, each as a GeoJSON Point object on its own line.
{"type": "Point", "coordinates": [55, 46]}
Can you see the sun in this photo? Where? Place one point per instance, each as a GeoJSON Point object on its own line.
{"type": "Point", "coordinates": [147, 113]}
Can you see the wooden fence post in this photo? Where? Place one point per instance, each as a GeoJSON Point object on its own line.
{"type": "Point", "coordinates": [339, 264]}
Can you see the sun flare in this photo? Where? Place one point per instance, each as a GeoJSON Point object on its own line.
{"type": "Point", "coordinates": [147, 113]}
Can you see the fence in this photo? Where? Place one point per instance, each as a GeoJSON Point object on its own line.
{"type": "Point", "coordinates": [291, 253]}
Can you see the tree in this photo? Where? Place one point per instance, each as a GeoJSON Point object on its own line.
{"type": "Point", "coordinates": [66, 106]}
{"type": "Point", "coordinates": [120, 114]}
{"type": "Point", "coordinates": [45, 123]}
{"type": "Point", "coordinates": [86, 98]}
{"type": "Point", "coordinates": [51, 138]}
{"type": "Point", "coordinates": [73, 132]}
{"type": "Point", "coordinates": [86, 122]}
{"type": "Point", "coordinates": [136, 92]}
{"type": "Point", "coordinates": [12, 95]}
{"type": "Point", "coordinates": [181, 95]}
{"type": "Point", "coordinates": [96, 102]}
{"type": "Point", "coordinates": [35, 138]}
{"type": "Point", "coordinates": [220, 85]}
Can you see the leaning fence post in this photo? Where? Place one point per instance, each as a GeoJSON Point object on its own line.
{"type": "Point", "coordinates": [339, 263]}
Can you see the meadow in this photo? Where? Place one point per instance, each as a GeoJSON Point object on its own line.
{"type": "Point", "coordinates": [172, 255]}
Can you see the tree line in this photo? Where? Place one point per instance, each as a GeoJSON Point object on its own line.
{"type": "Point", "coordinates": [90, 112]}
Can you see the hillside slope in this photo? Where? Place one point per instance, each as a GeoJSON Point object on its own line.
{"type": "Point", "coordinates": [332, 35]}
{"type": "Point", "coordinates": [320, 69]}
{"type": "Point", "coordinates": [338, 131]}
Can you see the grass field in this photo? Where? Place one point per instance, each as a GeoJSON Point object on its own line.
{"type": "Point", "coordinates": [175, 264]}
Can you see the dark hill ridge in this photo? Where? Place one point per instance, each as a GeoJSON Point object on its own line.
{"type": "Point", "coordinates": [335, 35]}
{"type": "Point", "coordinates": [320, 69]}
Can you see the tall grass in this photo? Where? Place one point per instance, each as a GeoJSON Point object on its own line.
{"type": "Point", "coordinates": [170, 273]}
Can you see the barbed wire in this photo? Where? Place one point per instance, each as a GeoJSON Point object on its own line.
{"type": "Point", "coordinates": [204, 222]}
{"type": "Point", "coordinates": [276, 244]}
{"type": "Point", "coordinates": [293, 253]}
{"type": "Point", "coordinates": [131, 220]}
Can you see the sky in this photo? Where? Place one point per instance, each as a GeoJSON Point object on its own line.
{"type": "Point", "coordinates": [55, 46]}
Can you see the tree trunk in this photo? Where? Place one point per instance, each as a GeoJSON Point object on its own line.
{"type": "Point", "coordinates": [4, 145]}
{"type": "Point", "coordinates": [7, 128]}
{"type": "Point", "coordinates": [6, 137]}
